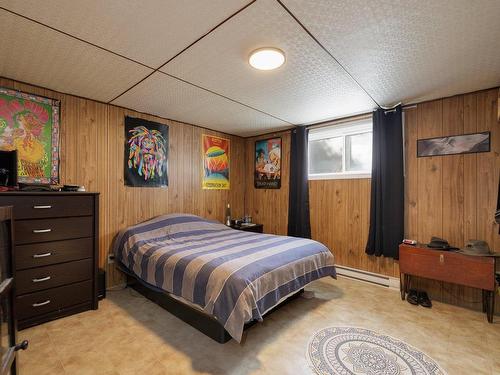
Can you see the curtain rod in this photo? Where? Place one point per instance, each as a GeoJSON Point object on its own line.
{"type": "Point", "coordinates": [361, 116]}
{"type": "Point", "coordinates": [342, 120]}
{"type": "Point", "coordinates": [403, 108]}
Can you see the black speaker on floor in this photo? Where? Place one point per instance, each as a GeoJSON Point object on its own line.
{"type": "Point", "coordinates": [101, 284]}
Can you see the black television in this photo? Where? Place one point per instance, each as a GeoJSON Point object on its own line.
{"type": "Point", "coordinates": [8, 168]}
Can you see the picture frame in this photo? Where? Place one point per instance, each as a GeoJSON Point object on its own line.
{"type": "Point", "coordinates": [267, 165]}
{"type": "Point", "coordinates": [145, 153]}
{"type": "Point", "coordinates": [454, 144]}
{"type": "Point", "coordinates": [216, 162]}
{"type": "Point", "coordinates": [30, 124]}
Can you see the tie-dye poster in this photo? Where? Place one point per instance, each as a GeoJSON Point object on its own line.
{"type": "Point", "coordinates": [30, 125]}
{"type": "Point", "coordinates": [146, 153]}
{"type": "Point", "coordinates": [215, 162]}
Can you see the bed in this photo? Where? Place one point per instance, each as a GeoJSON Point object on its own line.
{"type": "Point", "coordinates": [201, 269]}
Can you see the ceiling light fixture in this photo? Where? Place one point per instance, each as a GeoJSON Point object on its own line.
{"type": "Point", "coordinates": [267, 58]}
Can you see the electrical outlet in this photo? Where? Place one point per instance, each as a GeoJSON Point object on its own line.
{"type": "Point", "coordinates": [111, 258]}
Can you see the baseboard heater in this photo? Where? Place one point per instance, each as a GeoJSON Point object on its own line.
{"type": "Point", "coordinates": [369, 277]}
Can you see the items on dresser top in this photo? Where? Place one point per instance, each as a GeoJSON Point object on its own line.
{"type": "Point", "coordinates": [55, 253]}
{"type": "Point", "coordinates": [34, 187]}
{"type": "Point", "coordinates": [70, 188]}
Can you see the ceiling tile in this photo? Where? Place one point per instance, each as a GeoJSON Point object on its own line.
{"type": "Point", "coordinates": [149, 31]}
{"type": "Point", "coordinates": [40, 56]}
{"type": "Point", "coordinates": [309, 87]}
{"type": "Point", "coordinates": [168, 97]}
{"type": "Point", "coordinates": [411, 50]}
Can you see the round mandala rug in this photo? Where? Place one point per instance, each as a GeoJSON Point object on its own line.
{"type": "Point", "coordinates": [350, 350]}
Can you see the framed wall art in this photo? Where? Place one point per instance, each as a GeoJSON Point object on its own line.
{"type": "Point", "coordinates": [267, 173]}
{"type": "Point", "coordinates": [30, 124]}
{"type": "Point", "coordinates": [146, 153]}
{"type": "Point", "coordinates": [215, 162]}
{"type": "Point", "coordinates": [454, 144]}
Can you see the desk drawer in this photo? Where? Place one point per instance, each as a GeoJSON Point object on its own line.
{"type": "Point", "coordinates": [42, 230]}
{"type": "Point", "coordinates": [476, 272]}
{"type": "Point", "coordinates": [46, 301]}
{"type": "Point", "coordinates": [40, 278]}
{"type": "Point", "coordinates": [40, 207]}
{"type": "Point", "coordinates": [47, 253]}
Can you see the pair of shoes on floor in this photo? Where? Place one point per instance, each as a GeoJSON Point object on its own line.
{"type": "Point", "coordinates": [419, 297]}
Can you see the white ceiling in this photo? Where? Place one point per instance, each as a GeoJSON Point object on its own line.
{"type": "Point", "coordinates": [150, 31]}
{"type": "Point", "coordinates": [38, 55]}
{"type": "Point", "coordinates": [184, 102]}
{"type": "Point", "coordinates": [412, 50]}
{"type": "Point", "coordinates": [310, 86]}
{"type": "Point", "coordinates": [361, 53]}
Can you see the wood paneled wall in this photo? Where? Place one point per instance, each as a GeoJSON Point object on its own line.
{"type": "Point", "coordinates": [92, 141]}
{"type": "Point", "coordinates": [449, 196]}
{"type": "Point", "coordinates": [453, 197]}
{"type": "Point", "coordinates": [268, 206]}
{"type": "Point", "coordinates": [340, 218]}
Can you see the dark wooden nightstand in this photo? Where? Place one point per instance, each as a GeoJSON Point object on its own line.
{"type": "Point", "coordinates": [257, 228]}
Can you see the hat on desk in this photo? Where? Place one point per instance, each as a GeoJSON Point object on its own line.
{"type": "Point", "coordinates": [440, 244]}
{"type": "Point", "coordinates": [478, 248]}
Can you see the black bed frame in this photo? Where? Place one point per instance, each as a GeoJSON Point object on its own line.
{"type": "Point", "coordinates": [202, 322]}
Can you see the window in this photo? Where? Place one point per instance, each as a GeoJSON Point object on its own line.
{"type": "Point", "coordinates": [341, 151]}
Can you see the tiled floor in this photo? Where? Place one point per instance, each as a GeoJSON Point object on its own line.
{"type": "Point", "coordinates": [130, 335]}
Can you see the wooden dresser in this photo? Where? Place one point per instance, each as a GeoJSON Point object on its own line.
{"type": "Point", "coordinates": [55, 253]}
{"type": "Point", "coordinates": [448, 266]}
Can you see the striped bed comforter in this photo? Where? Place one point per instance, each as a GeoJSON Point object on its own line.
{"type": "Point", "coordinates": [233, 275]}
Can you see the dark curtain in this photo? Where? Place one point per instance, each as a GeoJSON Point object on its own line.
{"type": "Point", "coordinates": [387, 185]}
{"type": "Point", "coordinates": [299, 224]}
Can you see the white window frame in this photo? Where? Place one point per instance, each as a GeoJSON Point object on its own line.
{"type": "Point", "coordinates": [341, 130]}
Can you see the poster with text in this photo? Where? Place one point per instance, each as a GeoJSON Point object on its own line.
{"type": "Point", "coordinates": [268, 164]}
{"type": "Point", "coordinates": [215, 162]}
{"type": "Point", "coordinates": [146, 153]}
{"type": "Point", "coordinates": [30, 124]}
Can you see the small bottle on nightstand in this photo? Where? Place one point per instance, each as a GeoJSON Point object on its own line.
{"type": "Point", "coordinates": [228, 215]}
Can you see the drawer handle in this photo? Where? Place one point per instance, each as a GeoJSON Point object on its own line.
{"type": "Point", "coordinates": [41, 279]}
{"type": "Point", "coordinates": [42, 230]}
{"type": "Point", "coordinates": [38, 304]}
{"type": "Point", "coordinates": [42, 255]}
{"type": "Point", "coordinates": [41, 207]}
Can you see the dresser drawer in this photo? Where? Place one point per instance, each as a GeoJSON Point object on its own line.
{"type": "Point", "coordinates": [40, 278]}
{"type": "Point", "coordinates": [47, 253]}
{"type": "Point", "coordinates": [476, 272]}
{"type": "Point", "coordinates": [40, 206]}
{"type": "Point", "coordinates": [42, 230]}
{"type": "Point", "coordinates": [33, 304]}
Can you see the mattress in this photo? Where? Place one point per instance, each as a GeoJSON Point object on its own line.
{"type": "Point", "coordinates": [232, 275]}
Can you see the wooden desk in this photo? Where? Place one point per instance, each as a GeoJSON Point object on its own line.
{"type": "Point", "coordinates": [451, 267]}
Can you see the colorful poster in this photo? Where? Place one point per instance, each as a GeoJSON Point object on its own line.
{"type": "Point", "coordinates": [30, 125]}
{"type": "Point", "coordinates": [268, 164]}
{"type": "Point", "coordinates": [215, 162]}
{"type": "Point", "coordinates": [146, 153]}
